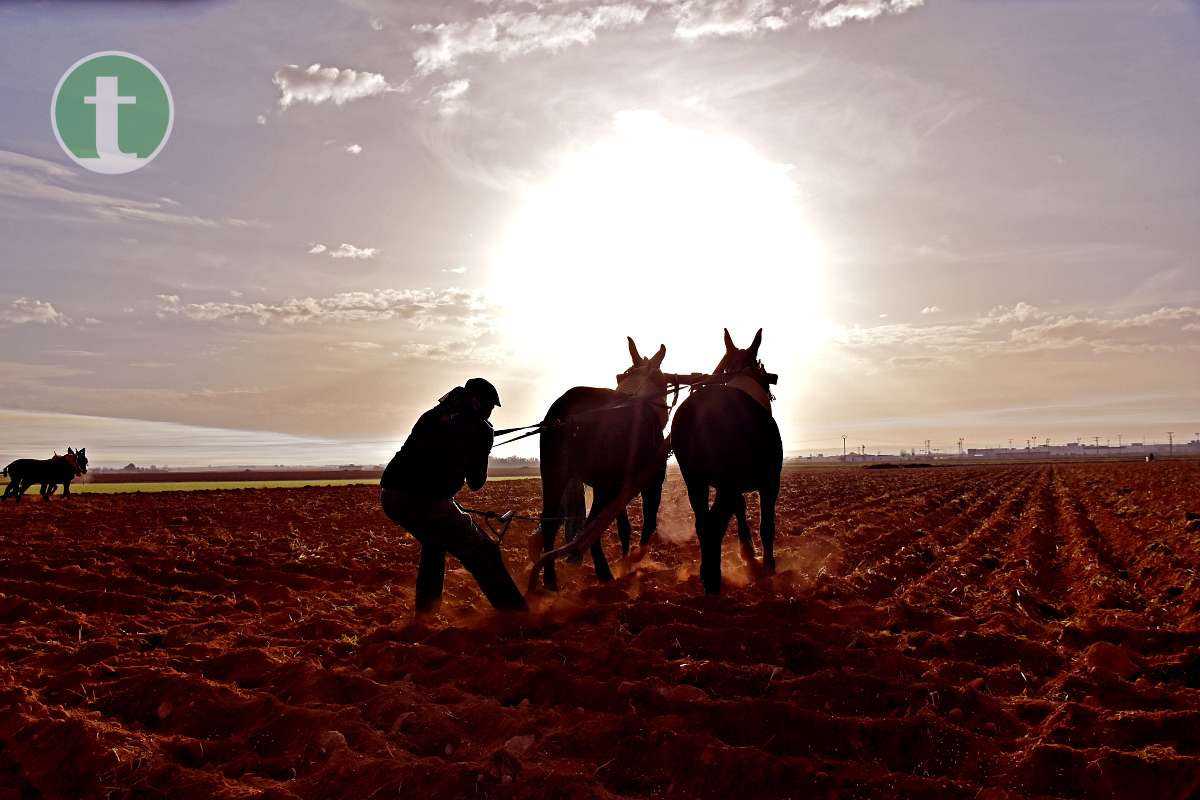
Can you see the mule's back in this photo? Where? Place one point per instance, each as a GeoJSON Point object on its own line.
{"type": "Point", "coordinates": [599, 436]}
{"type": "Point", "coordinates": [724, 437]}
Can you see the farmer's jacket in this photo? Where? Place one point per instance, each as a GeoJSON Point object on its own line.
{"type": "Point", "coordinates": [448, 445]}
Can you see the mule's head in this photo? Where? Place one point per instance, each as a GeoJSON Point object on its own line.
{"type": "Point", "coordinates": [80, 457]}
{"type": "Point", "coordinates": [69, 459]}
{"type": "Point", "coordinates": [645, 377]}
{"type": "Point", "coordinates": [737, 359]}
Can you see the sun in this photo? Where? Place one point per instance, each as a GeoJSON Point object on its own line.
{"type": "Point", "coordinates": [666, 234]}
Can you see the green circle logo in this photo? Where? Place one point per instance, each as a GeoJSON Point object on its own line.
{"type": "Point", "coordinates": [112, 112]}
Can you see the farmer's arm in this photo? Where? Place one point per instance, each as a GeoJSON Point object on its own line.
{"type": "Point", "coordinates": [477, 457]}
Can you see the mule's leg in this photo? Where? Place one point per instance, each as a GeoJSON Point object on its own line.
{"type": "Point", "coordinates": [67, 489]}
{"type": "Point", "coordinates": [624, 531]}
{"type": "Point", "coordinates": [651, 500]}
{"type": "Point", "coordinates": [710, 545]}
{"type": "Point", "coordinates": [552, 512]}
{"type": "Point", "coordinates": [766, 526]}
{"type": "Point", "coordinates": [743, 528]}
{"type": "Point", "coordinates": [600, 499]}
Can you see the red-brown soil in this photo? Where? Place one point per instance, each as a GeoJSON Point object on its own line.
{"type": "Point", "coordinates": [1009, 631]}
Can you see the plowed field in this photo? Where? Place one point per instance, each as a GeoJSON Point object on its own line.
{"type": "Point", "coordinates": [961, 632]}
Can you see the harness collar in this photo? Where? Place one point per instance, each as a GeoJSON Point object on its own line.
{"type": "Point", "coordinates": [752, 380]}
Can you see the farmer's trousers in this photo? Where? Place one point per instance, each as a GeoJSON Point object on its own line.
{"type": "Point", "coordinates": [441, 527]}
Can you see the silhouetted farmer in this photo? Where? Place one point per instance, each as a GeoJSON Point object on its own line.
{"type": "Point", "coordinates": [449, 445]}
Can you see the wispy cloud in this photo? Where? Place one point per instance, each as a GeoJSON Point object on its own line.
{"type": "Point", "coordinates": [353, 149]}
{"type": "Point", "coordinates": [835, 13]}
{"type": "Point", "coordinates": [28, 178]}
{"type": "Point", "coordinates": [422, 306]}
{"type": "Point", "coordinates": [344, 250]}
{"type": "Point", "coordinates": [23, 310]}
{"type": "Point", "coordinates": [702, 18]}
{"type": "Point", "coordinates": [316, 85]}
{"type": "Point", "coordinates": [509, 33]}
{"type": "Point", "coordinates": [449, 97]}
{"type": "Point", "coordinates": [1025, 328]}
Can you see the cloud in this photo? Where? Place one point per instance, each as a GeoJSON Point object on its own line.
{"type": "Point", "coordinates": [930, 310]}
{"type": "Point", "coordinates": [261, 119]}
{"type": "Point", "coordinates": [28, 178]}
{"type": "Point", "coordinates": [701, 18]}
{"type": "Point", "coordinates": [353, 149]}
{"type": "Point", "coordinates": [1024, 328]}
{"type": "Point", "coordinates": [478, 348]}
{"type": "Point", "coordinates": [455, 270]}
{"type": "Point", "coordinates": [316, 84]}
{"type": "Point", "coordinates": [347, 250]}
{"type": "Point", "coordinates": [422, 306]}
{"type": "Point", "coordinates": [449, 96]}
{"type": "Point", "coordinates": [23, 310]}
{"type": "Point", "coordinates": [512, 33]}
{"type": "Point", "coordinates": [835, 13]}
{"type": "Point", "coordinates": [361, 347]}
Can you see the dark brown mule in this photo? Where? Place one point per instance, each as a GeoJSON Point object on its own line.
{"type": "Point", "coordinates": [49, 472]}
{"type": "Point", "coordinates": [725, 437]}
{"type": "Point", "coordinates": [602, 438]}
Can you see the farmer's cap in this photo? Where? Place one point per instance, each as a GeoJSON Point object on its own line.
{"type": "Point", "coordinates": [483, 390]}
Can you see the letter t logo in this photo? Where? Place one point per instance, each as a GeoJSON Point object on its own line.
{"type": "Point", "coordinates": [106, 100]}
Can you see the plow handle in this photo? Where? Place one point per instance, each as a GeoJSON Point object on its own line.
{"type": "Point", "coordinates": [591, 532]}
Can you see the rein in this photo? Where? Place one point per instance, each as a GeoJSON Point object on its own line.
{"type": "Point", "coordinates": [675, 384]}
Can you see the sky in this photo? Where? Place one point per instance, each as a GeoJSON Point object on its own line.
{"type": "Point", "coordinates": [952, 218]}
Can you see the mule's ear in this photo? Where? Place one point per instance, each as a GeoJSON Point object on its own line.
{"type": "Point", "coordinates": [633, 353]}
{"type": "Point", "coordinates": [729, 348]}
{"type": "Point", "coordinates": [755, 344]}
{"type": "Point", "coordinates": [659, 356]}
{"type": "Point", "coordinates": [70, 452]}
{"type": "Point", "coordinates": [82, 450]}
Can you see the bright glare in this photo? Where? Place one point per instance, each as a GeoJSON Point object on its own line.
{"type": "Point", "coordinates": [665, 234]}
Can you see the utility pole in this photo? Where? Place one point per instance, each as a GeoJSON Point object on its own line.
{"type": "Point", "coordinates": [1120, 440]}
{"type": "Point", "coordinates": [960, 443]}
{"type": "Point", "coordinates": [927, 452]}
{"type": "Point", "coordinates": [843, 447]}
{"type": "Point", "coordinates": [1010, 444]}
{"type": "Point", "coordinates": [1171, 443]}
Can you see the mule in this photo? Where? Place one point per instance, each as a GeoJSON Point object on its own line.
{"type": "Point", "coordinates": [726, 438]}
{"type": "Point", "coordinates": [602, 438]}
{"type": "Point", "coordinates": [49, 472]}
